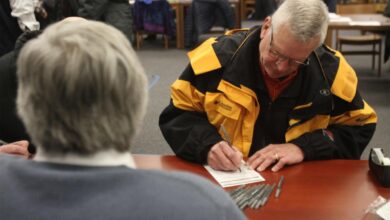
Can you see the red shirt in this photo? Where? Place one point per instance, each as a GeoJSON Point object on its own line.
{"type": "Point", "coordinates": [276, 86]}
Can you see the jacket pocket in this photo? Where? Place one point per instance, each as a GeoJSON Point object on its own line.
{"type": "Point", "coordinates": [226, 107]}
{"type": "Point", "coordinates": [221, 110]}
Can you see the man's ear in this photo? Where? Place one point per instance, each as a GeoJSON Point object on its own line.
{"type": "Point", "coordinates": [265, 27]}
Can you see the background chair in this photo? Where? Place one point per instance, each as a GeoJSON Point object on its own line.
{"type": "Point", "coordinates": [203, 15]}
{"type": "Point", "coordinates": [247, 8]}
{"type": "Point", "coordinates": [374, 40]}
{"type": "Point", "coordinates": [152, 18]}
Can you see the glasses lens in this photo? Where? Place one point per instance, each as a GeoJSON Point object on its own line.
{"type": "Point", "coordinates": [305, 63]}
{"type": "Point", "coordinates": [281, 58]}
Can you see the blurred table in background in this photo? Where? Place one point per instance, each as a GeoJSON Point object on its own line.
{"type": "Point", "coordinates": [362, 22]}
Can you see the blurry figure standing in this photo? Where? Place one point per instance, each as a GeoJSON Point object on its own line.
{"type": "Point", "coordinates": [56, 10]}
{"type": "Point", "coordinates": [114, 12]}
{"type": "Point", "coordinates": [16, 16]}
{"type": "Point", "coordinates": [264, 8]}
{"type": "Point", "coordinates": [331, 5]}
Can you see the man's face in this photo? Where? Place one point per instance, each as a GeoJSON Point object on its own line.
{"type": "Point", "coordinates": [280, 53]}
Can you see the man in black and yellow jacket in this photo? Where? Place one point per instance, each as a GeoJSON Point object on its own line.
{"type": "Point", "coordinates": [281, 96]}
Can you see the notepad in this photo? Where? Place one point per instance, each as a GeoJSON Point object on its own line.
{"type": "Point", "coordinates": [234, 178]}
{"type": "Point", "coordinates": [384, 211]}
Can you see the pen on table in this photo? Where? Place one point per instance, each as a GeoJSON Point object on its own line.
{"type": "Point", "coordinates": [268, 193]}
{"type": "Point", "coordinates": [279, 187]}
{"type": "Point", "coordinates": [229, 141]}
{"type": "Point", "coordinates": [250, 195]}
{"type": "Point", "coordinates": [259, 195]}
{"type": "Point", "coordinates": [264, 196]}
{"type": "Point", "coordinates": [236, 191]}
{"type": "Point", "coordinates": [255, 195]}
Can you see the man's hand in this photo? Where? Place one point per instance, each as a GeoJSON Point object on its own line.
{"type": "Point", "coordinates": [224, 157]}
{"type": "Point", "coordinates": [16, 148]}
{"type": "Point", "coordinates": [278, 154]}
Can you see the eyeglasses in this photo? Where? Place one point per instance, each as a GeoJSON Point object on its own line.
{"type": "Point", "coordinates": [276, 55]}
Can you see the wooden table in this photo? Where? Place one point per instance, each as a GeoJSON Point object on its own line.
{"type": "Point", "coordinates": [384, 25]}
{"type": "Point", "coordinates": [179, 7]}
{"type": "Point", "coordinates": [328, 190]}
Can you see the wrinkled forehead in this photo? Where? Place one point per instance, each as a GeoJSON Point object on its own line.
{"type": "Point", "coordinates": [286, 43]}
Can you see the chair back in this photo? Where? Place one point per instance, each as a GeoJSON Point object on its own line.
{"type": "Point", "coordinates": [203, 15]}
{"type": "Point", "coordinates": [359, 8]}
{"type": "Point", "coordinates": [373, 40]}
{"type": "Point", "coordinates": [153, 17]}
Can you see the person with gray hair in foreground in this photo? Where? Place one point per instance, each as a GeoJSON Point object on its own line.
{"type": "Point", "coordinates": [82, 95]}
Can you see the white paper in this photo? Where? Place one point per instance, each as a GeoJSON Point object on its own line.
{"type": "Point", "coordinates": [384, 211]}
{"type": "Point", "coordinates": [234, 178]}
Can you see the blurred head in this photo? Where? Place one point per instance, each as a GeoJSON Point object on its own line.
{"type": "Point", "coordinates": [295, 30]}
{"type": "Point", "coordinates": [81, 88]}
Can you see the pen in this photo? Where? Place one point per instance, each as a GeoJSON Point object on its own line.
{"type": "Point", "coordinates": [259, 195]}
{"type": "Point", "coordinates": [264, 196]}
{"type": "Point", "coordinates": [255, 195]}
{"type": "Point", "coordinates": [279, 187]}
{"type": "Point", "coordinates": [250, 194]}
{"type": "Point", "coordinates": [236, 191]}
{"type": "Point", "coordinates": [268, 193]}
{"type": "Point", "coordinates": [229, 141]}
{"type": "Point", "coordinates": [240, 196]}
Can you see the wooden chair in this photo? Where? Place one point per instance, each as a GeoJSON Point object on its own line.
{"type": "Point", "coordinates": [247, 8]}
{"type": "Point", "coordinates": [139, 37]}
{"type": "Point", "coordinates": [152, 18]}
{"type": "Point", "coordinates": [364, 39]}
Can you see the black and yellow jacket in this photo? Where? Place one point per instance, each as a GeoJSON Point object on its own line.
{"type": "Point", "coordinates": [223, 85]}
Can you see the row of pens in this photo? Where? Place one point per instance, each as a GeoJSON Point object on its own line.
{"type": "Point", "coordinates": [254, 196]}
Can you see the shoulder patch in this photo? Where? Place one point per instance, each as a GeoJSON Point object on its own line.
{"type": "Point", "coordinates": [233, 31]}
{"type": "Point", "coordinates": [203, 58]}
{"type": "Point", "coordinates": [345, 82]}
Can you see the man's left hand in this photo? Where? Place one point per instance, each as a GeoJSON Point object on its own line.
{"type": "Point", "coordinates": [277, 154]}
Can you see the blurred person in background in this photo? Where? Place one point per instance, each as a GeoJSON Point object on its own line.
{"type": "Point", "coordinates": [16, 17]}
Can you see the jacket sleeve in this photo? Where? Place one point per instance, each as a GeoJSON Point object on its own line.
{"type": "Point", "coordinates": [352, 125]}
{"type": "Point", "coordinates": [184, 124]}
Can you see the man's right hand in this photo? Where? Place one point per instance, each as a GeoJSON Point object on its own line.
{"type": "Point", "coordinates": [19, 148]}
{"type": "Point", "coordinates": [224, 157]}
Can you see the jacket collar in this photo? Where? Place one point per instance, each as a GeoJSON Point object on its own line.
{"type": "Point", "coordinates": [310, 84]}
{"type": "Point", "coordinates": [108, 157]}
{"type": "Point", "coordinates": [244, 68]}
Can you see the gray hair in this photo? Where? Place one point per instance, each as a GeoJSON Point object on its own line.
{"type": "Point", "coordinates": [81, 89]}
{"type": "Point", "coordinates": [307, 19]}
